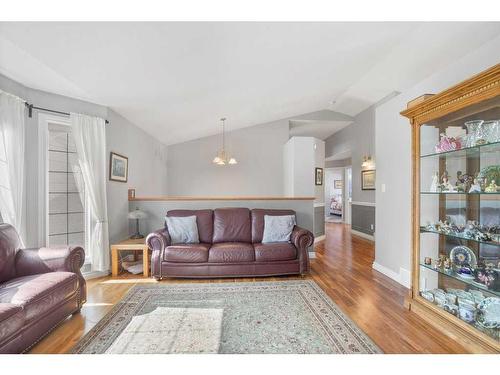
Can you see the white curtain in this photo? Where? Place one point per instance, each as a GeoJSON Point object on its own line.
{"type": "Point", "coordinates": [12, 189]}
{"type": "Point", "coordinates": [90, 140]}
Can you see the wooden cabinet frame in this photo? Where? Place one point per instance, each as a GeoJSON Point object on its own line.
{"type": "Point", "coordinates": [477, 89]}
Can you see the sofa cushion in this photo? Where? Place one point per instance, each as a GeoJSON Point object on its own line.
{"type": "Point", "coordinates": [258, 221]}
{"type": "Point", "coordinates": [204, 221]}
{"type": "Point", "coordinates": [274, 251]}
{"type": "Point", "coordinates": [39, 293]}
{"type": "Point", "coordinates": [9, 244]}
{"type": "Point", "coordinates": [232, 225]}
{"type": "Point", "coordinates": [278, 228]}
{"type": "Point", "coordinates": [187, 253]}
{"type": "Point", "coordinates": [231, 252]}
{"type": "Point", "coordinates": [11, 319]}
{"type": "Point", "coordinates": [182, 229]}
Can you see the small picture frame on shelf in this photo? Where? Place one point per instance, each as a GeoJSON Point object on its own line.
{"type": "Point", "coordinates": [368, 180]}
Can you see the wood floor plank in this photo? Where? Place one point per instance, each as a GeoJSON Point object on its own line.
{"type": "Point", "coordinates": [342, 268]}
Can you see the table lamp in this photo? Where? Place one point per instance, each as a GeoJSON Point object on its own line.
{"type": "Point", "coordinates": [137, 215]}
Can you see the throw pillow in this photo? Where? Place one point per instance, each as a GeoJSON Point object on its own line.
{"type": "Point", "coordinates": [182, 229]}
{"type": "Point", "coordinates": [278, 228]}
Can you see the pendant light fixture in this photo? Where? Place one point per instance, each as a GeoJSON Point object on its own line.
{"type": "Point", "coordinates": [223, 157]}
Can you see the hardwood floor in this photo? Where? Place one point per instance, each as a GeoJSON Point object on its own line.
{"type": "Point", "coordinates": [343, 269]}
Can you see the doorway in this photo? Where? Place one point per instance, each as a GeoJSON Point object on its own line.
{"type": "Point", "coordinates": [334, 194]}
{"type": "Point", "coordinates": [338, 194]}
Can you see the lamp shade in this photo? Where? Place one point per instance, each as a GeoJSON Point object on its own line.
{"type": "Point", "coordinates": [137, 214]}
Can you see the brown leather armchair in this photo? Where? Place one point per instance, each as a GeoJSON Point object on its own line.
{"type": "Point", "coordinates": [230, 246]}
{"type": "Point", "coordinates": [39, 288]}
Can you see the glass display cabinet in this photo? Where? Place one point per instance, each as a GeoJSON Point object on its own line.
{"type": "Point", "coordinates": [456, 210]}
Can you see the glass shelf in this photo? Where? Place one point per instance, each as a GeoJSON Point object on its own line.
{"type": "Point", "coordinates": [460, 237]}
{"type": "Point", "coordinates": [455, 276]}
{"type": "Point", "coordinates": [456, 193]}
{"type": "Point", "coordinates": [466, 151]}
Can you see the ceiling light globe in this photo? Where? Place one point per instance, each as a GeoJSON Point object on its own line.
{"type": "Point", "coordinates": [233, 161]}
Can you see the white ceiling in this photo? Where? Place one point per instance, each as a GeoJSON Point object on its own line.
{"type": "Point", "coordinates": [175, 80]}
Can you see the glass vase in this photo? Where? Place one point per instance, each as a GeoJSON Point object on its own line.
{"type": "Point", "coordinates": [493, 130]}
{"type": "Point", "coordinates": [472, 132]}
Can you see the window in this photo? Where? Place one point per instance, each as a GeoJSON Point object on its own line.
{"type": "Point", "coordinates": [3, 171]}
{"type": "Point", "coordinates": [66, 208]}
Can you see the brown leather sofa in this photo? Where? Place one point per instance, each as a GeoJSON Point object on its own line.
{"type": "Point", "coordinates": [230, 246]}
{"type": "Point", "coordinates": [39, 288]}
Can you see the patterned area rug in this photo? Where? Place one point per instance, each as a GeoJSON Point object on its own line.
{"type": "Point", "coordinates": [260, 317]}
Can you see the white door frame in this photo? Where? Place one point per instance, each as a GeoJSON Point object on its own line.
{"type": "Point", "coordinates": [347, 199]}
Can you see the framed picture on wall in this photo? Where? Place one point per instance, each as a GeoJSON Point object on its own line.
{"type": "Point", "coordinates": [368, 180]}
{"type": "Point", "coordinates": [118, 167]}
{"type": "Point", "coordinates": [318, 173]}
{"type": "Point", "coordinates": [338, 184]}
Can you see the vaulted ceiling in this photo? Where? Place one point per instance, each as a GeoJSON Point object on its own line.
{"type": "Point", "coordinates": [175, 80]}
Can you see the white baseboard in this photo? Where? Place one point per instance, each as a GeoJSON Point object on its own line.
{"type": "Point", "coordinates": [364, 235]}
{"type": "Point", "coordinates": [319, 238]}
{"type": "Point", "coordinates": [312, 254]}
{"type": "Point", "coordinates": [403, 277]}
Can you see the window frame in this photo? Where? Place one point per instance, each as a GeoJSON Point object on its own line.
{"type": "Point", "coordinates": [44, 120]}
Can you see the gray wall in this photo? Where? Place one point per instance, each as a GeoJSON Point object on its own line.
{"type": "Point", "coordinates": [393, 142]}
{"type": "Point", "coordinates": [319, 221]}
{"type": "Point", "coordinates": [122, 137]}
{"type": "Point", "coordinates": [363, 218]}
{"type": "Point", "coordinates": [147, 163]}
{"type": "Point", "coordinates": [259, 171]}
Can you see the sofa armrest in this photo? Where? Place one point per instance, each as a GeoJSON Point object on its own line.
{"type": "Point", "coordinates": [157, 241]}
{"type": "Point", "coordinates": [49, 259]}
{"type": "Point", "coordinates": [302, 239]}
{"type": "Point", "coordinates": [53, 259]}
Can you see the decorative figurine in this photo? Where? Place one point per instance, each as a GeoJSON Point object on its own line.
{"type": "Point", "coordinates": [447, 263]}
{"type": "Point", "coordinates": [475, 231]}
{"type": "Point", "coordinates": [475, 187]}
{"type": "Point", "coordinates": [464, 181]}
{"type": "Point", "coordinates": [447, 144]}
{"type": "Point", "coordinates": [439, 262]}
{"type": "Point", "coordinates": [446, 186]}
{"type": "Point", "coordinates": [427, 261]}
{"type": "Point", "coordinates": [492, 187]}
{"type": "Point", "coordinates": [435, 183]}
{"type": "Point", "coordinates": [488, 277]}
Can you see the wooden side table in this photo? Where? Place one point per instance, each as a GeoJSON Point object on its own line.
{"type": "Point", "coordinates": [127, 245]}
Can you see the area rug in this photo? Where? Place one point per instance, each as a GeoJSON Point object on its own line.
{"type": "Point", "coordinates": [257, 317]}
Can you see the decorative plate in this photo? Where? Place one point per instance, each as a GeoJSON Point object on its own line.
{"type": "Point", "coordinates": [489, 312]}
{"type": "Point", "coordinates": [461, 255]}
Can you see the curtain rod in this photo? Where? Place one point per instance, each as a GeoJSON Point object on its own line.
{"type": "Point", "coordinates": [31, 107]}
